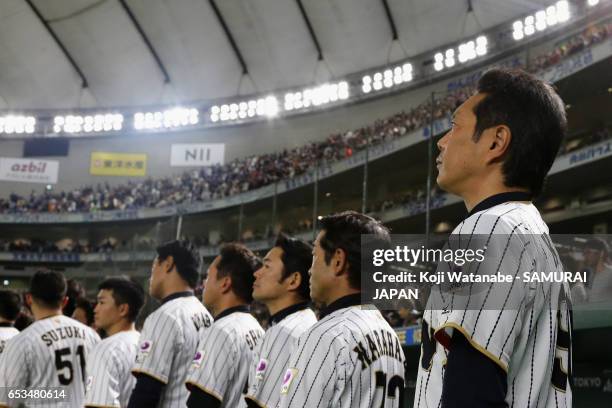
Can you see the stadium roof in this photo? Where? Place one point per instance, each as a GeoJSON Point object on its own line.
{"type": "Point", "coordinates": [139, 52]}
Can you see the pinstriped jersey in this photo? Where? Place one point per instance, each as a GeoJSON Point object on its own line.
{"type": "Point", "coordinates": [528, 334]}
{"type": "Point", "coordinates": [350, 358]}
{"type": "Point", "coordinates": [221, 364]}
{"type": "Point", "coordinates": [109, 380]}
{"type": "Point", "coordinates": [272, 355]}
{"type": "Point", "coordinates": [168, 342]}
{"type": "Point", "coordinates": [51, 352]}
{"type": "Point", "coordinates": [5, 334]}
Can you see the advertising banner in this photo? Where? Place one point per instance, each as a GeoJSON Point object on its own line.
{"type": "Point", "coordinates": [28, 170]}
{"type": "Point", "coordinates": [208, 154]}
{"type": "Point", "coordinates": [118, 164]}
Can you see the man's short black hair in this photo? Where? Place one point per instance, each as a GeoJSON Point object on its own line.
{"type": "Point", "coordinates": [48, 288]}
{"type": "Point", "coordinates": [296, 257]}
{"type": "Point", "coordinates": [88, 308]}
{"type": "Point", "coordinates": [125, 291]}
{"type": "Point", "coordinates": [343, 231]}
{"type": "Point", "coordinates": [239, 263]}
{"type": "Point", "coordinates": [535, 115]}
{"type": "Point", "coordinates": [10, 304]}
{"type": "Point", "coordinates": [74, 290]}
{"type": "Point", "coordinates": [186, 259]}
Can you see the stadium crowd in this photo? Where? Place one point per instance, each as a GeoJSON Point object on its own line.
{"type": "Point", "coordinates": [252, 172]}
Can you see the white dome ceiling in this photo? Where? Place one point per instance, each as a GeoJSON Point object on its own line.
{"type": "Point", "coordinates": [189, 39]}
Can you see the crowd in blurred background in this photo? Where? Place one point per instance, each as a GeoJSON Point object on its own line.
{"type": "Point", "coordinates": [252, 172]}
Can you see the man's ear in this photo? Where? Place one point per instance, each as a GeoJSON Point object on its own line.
{"type": "Point", "coordinates": [124, 309]}
{"type": "Point", "coordinates": [64, 301]}
{"type": "Point", "coordinates": [169, 263]}
{"type": "Point", "coordinates": [499, 139]}
{"type": "Point", "coordinates": [226, 284]}
{"type": "Point", "coordinates": [294, 280]}
{"type": "Point", "coordinates": [339, 261]}
{"type": "Point", "coordinates": [28, 300]}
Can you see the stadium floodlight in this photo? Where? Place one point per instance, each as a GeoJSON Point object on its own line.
{"type": "Point", "coordinates": [464, 52]}
{"type": "Point", "coordinates": [321, 95]}
{"type": "Point", "coordinates": [17, 124]}
{"type": "Point", "coordinates": [170, 118]}
{"type": "Point", "coordinates": [387, 78]}
{"type": "Point", "coordinates": [240, 110]}
{"type": "Point", "coordinates": [541, 20]}
{"type": "Point", "coordinates": [592, 3]}
{"type": "Point", "coordinates": [89, 123]}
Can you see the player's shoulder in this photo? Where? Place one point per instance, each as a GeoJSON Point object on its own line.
{"type": "Point", "coordinates": [235, 323]}
{"type": "Point", "coordinates": [295, 322]}
{"type": "Point", "coordinates": [116, 345]}
{"type": "Point", "coordinates": [90, 333]}
{"type": "Point", "coordinates": [332, 329]}
{"type": "Point", "coordinates": [506, 218]}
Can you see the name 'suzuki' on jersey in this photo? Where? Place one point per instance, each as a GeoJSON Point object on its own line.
{"type": "Point", "coordinates": [62, 333]}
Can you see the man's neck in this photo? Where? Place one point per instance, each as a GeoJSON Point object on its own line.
{"type": "Point", "coordinates": [341, 294]}
{"type": "Point", "coordinates": [225, 303]}
{"type": "Point", "coordinates": [276, 305]}
{"type": "Point", "coordinates": [472, 199]}
{"type": "Point", "coordinates": [120, 326]}
{"type": "Point", "coordinates": [40, 314]}
{"type": "Point", "coordinates": [175, 288]}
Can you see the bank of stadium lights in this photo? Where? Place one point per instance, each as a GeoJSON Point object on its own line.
{"type": "Point", "coordinates": [171, 118]}
{"type": "Point", "coordinates": [387, 78]}
{"type": "Point", "coordinates": [592, 3]}
{"type": "Point", "coordinates": [465, 52]}
{"type": "Point", "coordinates": [88, 123]}
{"type": "Point", "coordinates": [17, 124]}
{"type": "Point", "coordinates": [548, 17]}
{"type": "Point", "coordinates": [320, 95]}
{"type": "Point", "coordinates": [246, 109]}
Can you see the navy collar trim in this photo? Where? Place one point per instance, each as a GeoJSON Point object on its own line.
{"type": "Point", "coordinates": [280, 315]}
{"type": "Point", "coordinates": [229, 311]}
{"type": "Point", "coordinates": [177, 295]}
{"type": "Point", "coordinates": [500, 198]}
{"type": "Point", "coordinates": [346, 301]}
{"type": "Point", "coordinates": [6, 324]}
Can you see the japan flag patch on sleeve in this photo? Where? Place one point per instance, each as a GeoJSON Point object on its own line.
{"type": "Point", "coordinates": [290, 374]}
{"type": "Point", "coordinates": [197, 359]}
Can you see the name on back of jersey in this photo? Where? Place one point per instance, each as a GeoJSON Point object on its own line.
{"type": "Point", "coordinates": [62, 333]}
{"type": "Point", "coordinates": [378, 343]}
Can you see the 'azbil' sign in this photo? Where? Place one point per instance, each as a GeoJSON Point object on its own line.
{"type": "Point", "coordinates": [28, 171]}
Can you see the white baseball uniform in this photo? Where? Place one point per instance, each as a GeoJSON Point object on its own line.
{"type": "Point", "coordinates": [525, 328]}
{"type": "Point", "coordinates": [109, 378]}
{"type": "Point", "coordinates": [271, 356]}
{"type": "Point", "coordinates": [221, 364]}
{"type": "Point", "coordinates": [51, 352]}
{"type": "Point", "coordinates": [349, 358]}
{"type": "Point", "coordinates": [6, 332]}
{"type": "Point", "coordinates": [168, 343]}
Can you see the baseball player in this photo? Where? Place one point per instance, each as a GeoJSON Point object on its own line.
{"type": "Point", "coordinates": [219, 371]}
{"type": "Point", "coordinates": [10, 305]}
{"type": "Point", "coordinates": [508, 345]}
{"type": "Point", "coordinates": [351, 357]}
{"type": "Point", "coordinates": [51, 352]}
{"type": "Point", "coordinates": [282, 284]}
{"type": "Point", "coordinates": [170, 334]}
{"type": "Point", "coordinates": [110, 381]}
